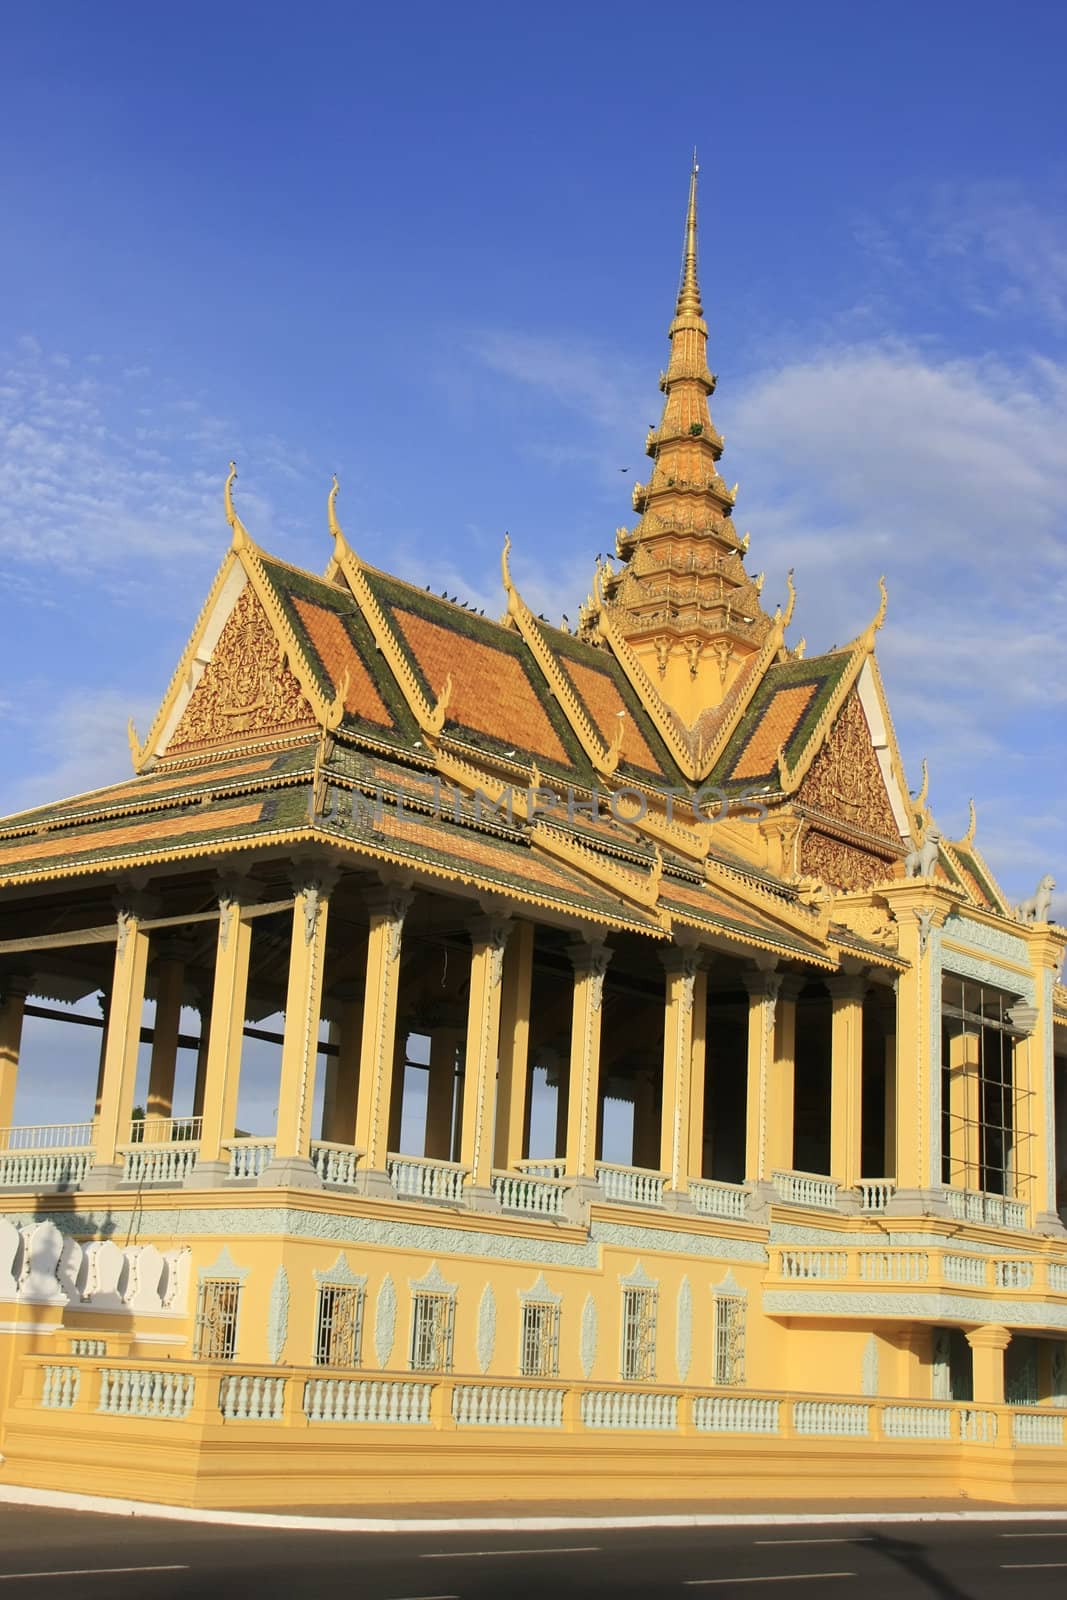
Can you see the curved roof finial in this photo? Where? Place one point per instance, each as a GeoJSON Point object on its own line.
{"type": "Point", "coordinates": [689, 292]}
{"type": "Point", "coordinates": [866, 638]}
{"type": "Point", "coordinates": [924, 788]}
{"type": "Point", "coordinates": [972, 826]}
{"type": "Point", "coordinates": [331, 514]}
{"type": "Point", "coordinates": [240, 532]}
{"type": "Point", "coordinates": [790, 607]}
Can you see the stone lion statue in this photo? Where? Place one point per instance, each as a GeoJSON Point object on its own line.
{"type": "Point", "coordinates": [1036, 909]}
{"type": "Point", "coordinates": [920, 862]}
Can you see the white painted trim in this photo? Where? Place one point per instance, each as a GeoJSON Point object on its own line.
{"type": "Point", "coordinates": [227, 597]}
{"type": "Point", "coordinates": [54, 1500]}
{"type": "Point", "coordinates": [872, 710]}
{"type": "Point", "coordinates": [35, 1327]}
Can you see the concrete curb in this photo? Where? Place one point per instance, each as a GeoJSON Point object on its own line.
{"type": "Point", "coordinates": [48, 1499]}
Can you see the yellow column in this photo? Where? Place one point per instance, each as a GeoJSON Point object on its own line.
{"type": "Point", "coordinates": [680, 968]}
{"type": "Point", "coordinates": [781, 1093]}
{"type": "Point", "coordinates": [762, 989]}
{"type": "Point", "coordinates": [170, 981]}
{"type": "Point", "coordinates": [120, 1050]}
{"type": "Point", "coordinates": [846, 1064]}
{"type": "Point", "coordinates": [920, 913]}
{"type": "Point", "coordinates": [590, 962]}
{"type": "Point", "coordinates": [965, 1110]}
{"type": "Point", "coordinates": [342, 1073]}
{"type": "Point", "coordinates": [514, 1047]}
{"type": "Point", "coordinates": [203, 1008]}
{"type": "Point", "coordinates": [441, 1093]}
{"type": "Point", "coordinates": [12, 1009]}
{"type": "Point", "coordinates": [388, 907]}
{"type": "Point", "coordinates": [1035, 1066]}
{"type": "Point", "coordinates": [291, 1163]}
{"type": "Point", "coordinates": [222, 1070]}
{"type": "Point", "coordinates": [698, 1073]}
{"type": "Point", "coordinates": [889, 1169]}
{"type": "Point", "coordinates": [989, 1344]}
{"type": "Point", "coordinates": [489, 937]}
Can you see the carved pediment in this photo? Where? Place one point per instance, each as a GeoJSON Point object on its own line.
{"type": "Point", "coordinates": [845, 780]}
{"type": "Point", "coordinates": [247, 688]}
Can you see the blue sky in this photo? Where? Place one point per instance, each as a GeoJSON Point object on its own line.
{"type": "Point", "coordinates": [435, 250]}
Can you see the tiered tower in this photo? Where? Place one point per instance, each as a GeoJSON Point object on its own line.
{"type": "Point", "coordinates": [683, 600]}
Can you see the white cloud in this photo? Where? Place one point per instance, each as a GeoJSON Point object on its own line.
{"type": "Point", "coordinates": [71, 743]}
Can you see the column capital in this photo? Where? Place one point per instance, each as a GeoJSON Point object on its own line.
{"type": "Point", "coordinates": [681, 961]}
{"type": "Point", "coordinates": [490, 928]}
{"type": "Point", "coordinates": [236, 888]}
{"type": "Point", "coordinates": [311, 874]}
{"type": "Point", "coordinates": [847, 985]}
{"type": "Point", "coordinates": [589, 957]}
{"type": "Point", "coordinates": [16, 986]}
{"type": "Point", "coordinates": [991, 1336]}
{"type": "Point", "coordinates": [760, 984]}
{"type": "Point", "coordinates": [388, 902]}
{"type": "Point", "coordinates": [792, 984]}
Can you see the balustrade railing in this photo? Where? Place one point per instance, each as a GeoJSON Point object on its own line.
{"type": "Point", "coordinates": [718, 1199]}
{"type": "Point", "coordinates": [630, 1185]}
{"type": "Point", "coordinates": [251, 1397]}
{"type": "Point", "coordinates": [362, 1400]}
{"type": "Point", "coordinates": [542, 1166]}
{"type": "Point", "coordinates": [248, 1157]}
{"type": "Point", "coordinates": [970, 1270]}
{"type": "Point", "coordinates": [158, 1163]}
{"type": "Point", "coordinates": [1057, 1277]}
{"type": "Point", "coordinates": [45, 1169]}
{"type": "Point", "coordinates": [417, 1178]}
{"type": "Point", "coordinates": [499, 1405]}
{"type": "Point", "coordinates": [972, 1205]}
{"type": "Point", "coordinates": [541, 1197]}
{"type": "Point", "coordinates": [876, 1193]}
{"type": "Point", "coordinates": [335, 1163]}
{"type": "Point", "coordinates": [47, 1136]}
{"type": "Point", "coordinates": [260, 1395]}
{"type": "Point", "coordinates": [166, 1130]}
{"type": "Point", "coordinates": [1014, 1274]}
{"type": "Point", "coordinates": [894, 1266]}
{"type": "Point", "coordinates": [801, 1264]}
{"type": "Point", "coordinates": [806, 1189]}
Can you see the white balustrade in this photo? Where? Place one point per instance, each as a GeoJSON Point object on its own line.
{"type": "Point", "coordinates": [1031, 1427]}
{"type": "Point", "coordinates": [542, 1167]}
{"type": "Point", "coordinates": [542, 1197]}
{"type": "Point", "coordinates": [88, 1347]}
{"type": "Point", "coordinates": [145, 1392]}
{"type": "Point", "coordinates": [718, 1199]}
{"type": "Point", "coordinates": [1014, 1274]}
{"type": "Point", "coordinates": [970, 1270]}
{"type": "Point", "coordinates": [625, 1408]}
{"type": "Point", "coordinates": [59, 1387]}
{"type": "Point", "coordinates": [250, 1397]}
{"type": "Point", "coordinates": [490, 1405]}
{"type": "Point", "coordinates": [806, 1189]}
{"type": "Point", "coordinates": [917, 1422]}
{"type": "Point", "coordinates": [416, 1178]}
{"type": "Point", "coordinates": [335, 1163]}
{"type": "Point", "coordinates": [834, 1417]}
{"type": "Point", "coordinates": [166, 1130]}
{"type": "Point", "coordinates": [977, 1427]}
{"type": "Point", "coordinates": [48, 1136]}
{"type": "Point", "coordinates": [735, 1413]}
{"type": "Point", "coordinates": [248, 1157]}
{"type": "Point", "coordinates": [876, 1193]}
{"type": "Point", "coordinates": [800, 1264]}
{"type": "Point", "coordinates": [972, 1205]}
{"type": "Point", "coordinates": [158, 1163]}
{"type": "Point", "coordinates": [45, 1169]}
{"type": "Point", "coordinates": [359, 1400]}
{"type": "Point", "coordinates": [631, 1185]}
{"type": "Point", "coordinates": [894, 1266]}
{"type": "Point", "coordinates": [1057, 1277]}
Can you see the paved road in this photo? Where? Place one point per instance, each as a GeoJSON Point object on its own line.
{"type": "Point", "coordinates": [48, 1554]}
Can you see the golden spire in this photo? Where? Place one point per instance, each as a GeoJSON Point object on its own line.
{"type": "Point", "coordinates": [689, 294]}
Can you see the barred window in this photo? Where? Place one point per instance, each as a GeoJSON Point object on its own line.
{"type": "Point", "coordinates": [431, 1332]}
{"type": "Point", "coordinates": [216, 1319]}
{"type": "Point", "coordinates": [539, 1357]}
{"type": "Point", "coordinates": [339, 1325]}
{"type": "Point", "coordinates": [729, 1338]}
{"type": "Point", "coordinates": [639, 1335]}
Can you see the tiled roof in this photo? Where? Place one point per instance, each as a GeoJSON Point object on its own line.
{"type": "Point", "coordinates": [782, 714]}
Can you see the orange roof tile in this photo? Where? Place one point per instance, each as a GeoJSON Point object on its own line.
{"type": "Point", "coordinates": [784, 710]}
{"type": "Point", "coordinates": [69, 841]}
{"type": "Point", "coordinates": [604, 702]}
{"type": "Point", "coordinates": [490, 691]}
{"type": "Point", "coordinates": [336, 652]}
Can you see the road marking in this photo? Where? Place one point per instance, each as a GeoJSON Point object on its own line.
{"type": "Point", "coordinates": [1034, 1536]}
{"type": "Point", "coordinates": [859, 1539]}
{"type": "Point", "coordinates": [91, 1572]}
{"type": "Point", "coordinates": [545, 1550]}
{"type": "Point", "coordinates": [430, 1597]}
{"type": "Point", "coordinates": [1028, 1566]}
{"type": "Point", "coordinates": [779, 1577]}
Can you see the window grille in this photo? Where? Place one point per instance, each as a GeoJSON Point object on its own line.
{"type": "Point", "coordinates": [431, 1332]}
{"type": "Point", "coordinates": [539, 1357]}
{"type": "Point", "coordinates": [339, 1325]}
{"type": "Point", "coordinates": [985, 1119]}
{"type": "Point", "coordinates": [729, 1339]}
{"type": "Point", "coordinates": [639, 1335]}
{"type": "Point", "coordinates": [216, 1319]}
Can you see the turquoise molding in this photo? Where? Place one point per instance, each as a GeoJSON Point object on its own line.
{"type": "Point", "coordinates": [385, 1321]}
{"type": "Point", "coordinates": [486, 1328]}
{"type": "Point", "coordinates": [683, 1335]}
{"type": "Point", "coordinates": [993, 941]}
{"type": "Point", "coordinates": [920, 1306]}
{"type": "Point", "coordinates": [587, 1347]}
{"type": "Point", "coordinates": [278, 1316]}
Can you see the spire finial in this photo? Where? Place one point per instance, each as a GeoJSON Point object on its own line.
{"type": "Point", "coordinates": [689, 293]}
{"type": "Point", "coordinates": [240, 532]}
